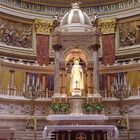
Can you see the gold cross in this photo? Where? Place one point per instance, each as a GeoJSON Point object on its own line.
{"type": "Point", "coordinates": [76, 82]}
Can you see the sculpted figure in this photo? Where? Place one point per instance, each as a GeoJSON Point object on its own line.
{"type": "Point", "coordinates": [77, 81]}
{"type": "Point", "coordinates": [9, 37]}
{"type": "Point", "coordinates": [2, 31]}
{"type": "Point", "coordinates": [25, 40]}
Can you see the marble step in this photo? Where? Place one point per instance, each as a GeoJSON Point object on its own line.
{"type": "Point", "coordinates": [134, 134]}
{"type": "Point", "coordinates": [27, 135]}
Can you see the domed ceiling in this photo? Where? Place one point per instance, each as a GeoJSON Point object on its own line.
{"type": "Point", "coordinates": [67, 3]}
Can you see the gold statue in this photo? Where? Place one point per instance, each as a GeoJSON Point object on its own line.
{"type": "Point", "coordinates": [77, 80]}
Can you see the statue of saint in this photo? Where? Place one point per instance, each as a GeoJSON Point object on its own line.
{"type": "Point", "coordinates": [77, 80]}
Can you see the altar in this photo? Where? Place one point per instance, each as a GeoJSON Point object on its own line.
{"type": "Point", "coordinates": [77, 111]}
{"type": "Point", "coordinates": [80, 132]}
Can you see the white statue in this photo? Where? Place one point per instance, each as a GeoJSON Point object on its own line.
{"type": "Point", "coordinates": [77, 80]}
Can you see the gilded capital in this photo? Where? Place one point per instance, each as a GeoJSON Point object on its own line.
{"type": "Point", "coordinates": [43, 26]}
{"type": "Point", "coordinates": [107, 26]}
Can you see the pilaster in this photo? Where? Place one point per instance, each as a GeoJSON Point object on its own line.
{"type": "Point", "coordinates": [57, 49]}
{"type": "Point", "coordinates": [95, 56]}
{"type": "Point", "coordinates": [108, 29]}
{"type": "Point", "coordinates": [43, 29]}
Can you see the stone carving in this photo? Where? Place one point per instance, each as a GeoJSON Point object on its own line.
{"type": "Point", "coordinates": [107, 26]}
{"type": "Point", "coordinates": [43, 26]}
{"type": "Point", "coordinates": [131, 109]}
{"type": "Point", "coordinates": [129, 33]}
{"type": "Point", "coordinates": [15, 33]}
{"type": "Point", "coordinates": [19, 109]}
{"type": "Point", "coordinates": [95, 19]}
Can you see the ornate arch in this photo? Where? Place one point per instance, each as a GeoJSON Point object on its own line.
{"type": "Point", "coordinates": [76, 52]}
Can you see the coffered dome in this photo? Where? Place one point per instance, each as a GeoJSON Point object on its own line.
{"type": "Point", "coordinates": [76, 20]}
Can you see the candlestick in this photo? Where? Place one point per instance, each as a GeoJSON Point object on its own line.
{"type": "Point", "coordinates": [87, 98]}
{"type": "Point", "coordinates": [60, 98]}
{"type": "Point", "coordinates": [93, 99]}
{"type": "Point", "coordinates": [127, 120]}
{"type": "Point", "coordinates": [66, 98]}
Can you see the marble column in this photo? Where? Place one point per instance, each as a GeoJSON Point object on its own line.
{"type": "Point", "coordinates": [95, 56]}
{"type": "Point", "coordinates": [63, 81]}
{"type": "Point", "coordinates": [12, 78]}
{"type": "Point", "coordinates": [27, 80]}
{"type": "Point", "coordinates": [43, 82]}
{"type": "Point", "coordinates": [57, 70]}
{"type": "Point", "coordinates": [89, 83]}
{"type": "Point", "coordinates": [69, 135]}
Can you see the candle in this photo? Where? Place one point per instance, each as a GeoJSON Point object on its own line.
{"type": "Point", "coordinates": [127, 121]}
{"type": "Point", "coordinates": [66, 98]}
{"type": "Point", "coordinates": [60, 98]}
{"type": "Point", "coordinates": [93, 99]}
{"type": "Point", "coordinates": [87, 98]}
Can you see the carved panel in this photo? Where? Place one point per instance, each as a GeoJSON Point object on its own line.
{"type": "Point", "coordinates": [76, 39]}
{"type": "Point", "coordinates": [16, 34]}
{"type": "Point", "coordinates": [129, 33]}
{"type": "Point", "coordinates": [131, 109]}
{"type": "Point", "coordinates": [21, 109]}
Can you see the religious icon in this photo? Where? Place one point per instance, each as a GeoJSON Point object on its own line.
{"type": "Point", "coordinates": [77, 80]}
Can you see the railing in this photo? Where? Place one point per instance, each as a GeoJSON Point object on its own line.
{"type": "Point", "coordinates": [127, 93]}
{"type": "Point", "coordinates": [48, 94]}
{"type": "Point", "coordinates": [19, 93]}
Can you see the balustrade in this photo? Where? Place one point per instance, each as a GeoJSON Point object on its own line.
{"type": "Point", "coordinates": [13, 92]}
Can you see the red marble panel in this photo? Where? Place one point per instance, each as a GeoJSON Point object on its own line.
{"type": "Point", "coordinates": [108, 49]}
{"type": "Point", "coordinates": [42, 49]}
{"type": "Point", "coordinates": [108, 55]}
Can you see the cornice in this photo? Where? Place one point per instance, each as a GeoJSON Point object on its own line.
{"type": "Point", "coordinates": [122, 13]}
{"type": "Point", "coordinates": [30, 14]}
{"type": "Point", "coordinates": [119, 68]}
{"type": "Point", "coordinates": [21, 100]}
{"type": "Point", "coordinates": [16, 51]}
{"type": "Point", "coordinates": [28, 68]}
{"type": "Point", "coordinates": [16, 18]}
{"type": "Point", "coordinates": [66, 3]}
{"type": "Point", "coordinates": [18, 117]}
{"type": "Point", "coordinates": [50, 68]}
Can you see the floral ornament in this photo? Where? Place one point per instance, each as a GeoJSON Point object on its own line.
{"type": "Point", "coordinates": [93, 107]}
{"type": "Point", "coordinates": [60, 107]}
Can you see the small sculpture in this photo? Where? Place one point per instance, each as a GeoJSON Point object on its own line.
{"type": "Point", "coordinates": [77, 80]}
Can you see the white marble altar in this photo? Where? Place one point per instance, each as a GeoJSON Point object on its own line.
{"type": "Point", "coordinates": [76, 117]}
{"type": "Point", "coordinates": [110, 129]}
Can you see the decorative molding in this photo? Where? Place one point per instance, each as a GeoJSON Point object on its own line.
{"type": "Point", "coordinates": [107, 26]}
{"type": "Point", "coordinates": [102, 6]}
{"type": "Point", "coordinates": [43, 26]}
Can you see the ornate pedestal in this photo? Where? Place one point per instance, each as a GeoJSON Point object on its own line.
{"type": "Point", "coordinates": [76, 105]}
{"type": "Point", "coordinates": [76, 92]}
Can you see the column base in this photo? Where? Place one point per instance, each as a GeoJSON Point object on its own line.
{"type": "Point", "coordinates": [97, 95]}
{"type": "Point", "coordinates": [63, 95]}
{"type": "Point", "coordinates": [76, 92]}
{"type": "Point", "coordinates": [56, 95]}
{"type": "Point", "coordinates": [89, 95]}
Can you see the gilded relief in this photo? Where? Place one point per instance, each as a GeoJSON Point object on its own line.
{"type": "Point", "coordinates": [129, 33]}
{"type": "Point", "coordinates": [16, 34]}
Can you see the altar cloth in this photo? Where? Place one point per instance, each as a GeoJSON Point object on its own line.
{"type": "Point", "coordinates": [110, 129]}
{"type": "Point", "coordinates": [77, 117]}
